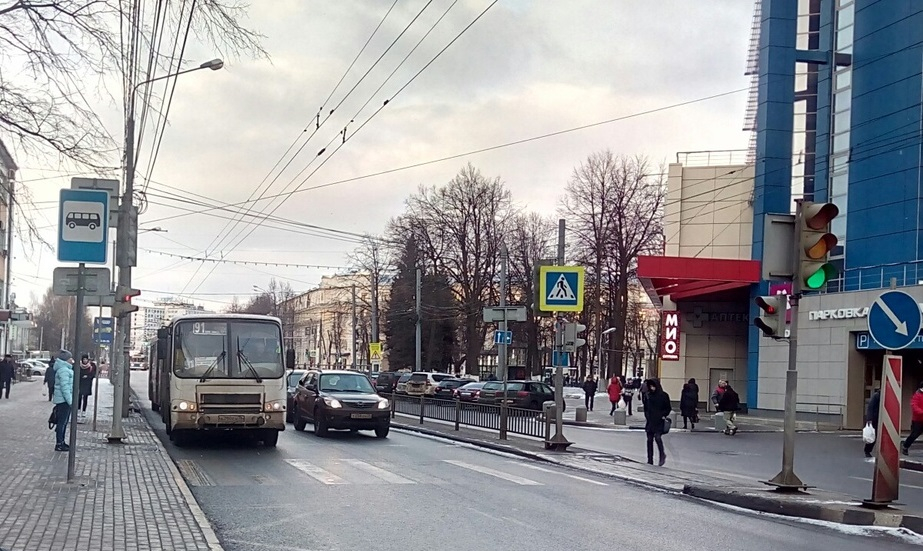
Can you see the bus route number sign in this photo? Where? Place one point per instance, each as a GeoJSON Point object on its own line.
{"type": "Point", "coordinates": [205, 328]}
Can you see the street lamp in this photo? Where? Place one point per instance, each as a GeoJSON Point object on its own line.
{"type": "Point", "coordinates": [599, 355]}
{"type": "Point", "coordinates": [127, 232]}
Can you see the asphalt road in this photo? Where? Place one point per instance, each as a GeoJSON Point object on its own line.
{"type": "Point", "coordinates": [353, 491]}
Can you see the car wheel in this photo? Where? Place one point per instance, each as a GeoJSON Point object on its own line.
{"type": "Point", "coordinates": [271, 438]}
{"type": "Point", "coordinates": [36, 373]}
{"type": "Point", "coordinates": [382, 432]}
{"type": "Point", "coordinates": [300, 423]}
{"type": "Point", "coordinates": [320, 427]}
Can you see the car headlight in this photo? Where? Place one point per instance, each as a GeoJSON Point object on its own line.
{"type": "Point", "coordinates": [333, 402]}
{"type": "Point", "coordinates": [277, 405]}
{"type": "Point", "coordinates": [383, 404]}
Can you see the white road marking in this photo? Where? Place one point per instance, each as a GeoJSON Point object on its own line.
{"type": "Point", "coordinates": [902, 484]}
{"type": "Point", "coordinates": [315, 472]}
{"type": "Point", "coordinates": [499, 474]}
{"type": "Point", "coordinates": [544, 470]}
{"type": "Point", "coordinates": [378, 472]}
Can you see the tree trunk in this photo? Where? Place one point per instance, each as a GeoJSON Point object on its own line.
{"type": "Point", "coordinates": [473, 346]}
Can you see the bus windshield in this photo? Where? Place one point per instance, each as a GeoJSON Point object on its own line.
{"type": "Point", "coordinates": [227, 349]}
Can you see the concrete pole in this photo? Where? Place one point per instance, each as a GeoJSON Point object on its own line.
{"type": "Point", "coordinates": [558, 437]}
{"type": "Point", "coordinates": [418, 356]}
{"type": "Point", "coordinates": [501, 347]}
{"type": "Point", "coordinates": [75, 397]}
{"type": "Point", "coordinates": [355, 329]}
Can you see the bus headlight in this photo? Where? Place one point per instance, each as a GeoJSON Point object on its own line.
{"type": "Point", "coordinates": [186, 406]}
{"type": "Point", "coordinates": [277, 405]}
{"type": "Point", "coordinates": [383, 404]}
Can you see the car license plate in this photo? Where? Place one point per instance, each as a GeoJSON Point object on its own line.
{"type": "Point", "coordinates": [231, 419]}
{"type": "Point", "coordinates": [361, 415]}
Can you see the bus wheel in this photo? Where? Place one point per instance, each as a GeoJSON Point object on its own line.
{"type": "Point", "coordinates": [271, 438]}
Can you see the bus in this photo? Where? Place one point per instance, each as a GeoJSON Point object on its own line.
{"type": "Point", "coordinates": [220, 372]}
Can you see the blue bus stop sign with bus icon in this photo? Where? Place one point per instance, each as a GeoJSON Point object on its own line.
{"type": "Point", "coordinates": [83, 224]}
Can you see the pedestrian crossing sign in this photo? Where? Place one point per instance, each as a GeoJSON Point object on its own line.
{"type": "Point", "coordinates": [375, 352]}
{"type": "Point", "coordinates": [560, 288]}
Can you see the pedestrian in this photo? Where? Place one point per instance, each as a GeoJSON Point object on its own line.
{"type": "Point", "coordinates": [688, 402]}
{"type": "Point", "coordinates": [871, 416]}
{"type": "Point", "coordinates": [656, 408]}
{"type": "Point", "coordinates": [49, 378]}
{"type": "Point", "coordinates": [719, 390]}
{"type": "Point", "coordinates": [628, 394]}
{"type": "Point", "coordinates": [87, 374]}
{"type": "Point", "coordinates": [7, 372]}
{"type": "Point", "coordinates": [916, 419]}
{"type": "Point", "coordinates": [695, 390]}
{"type": "Point", "coordinates": [589, 390]}
{"type": "Point", "coordinates": [615, 392]}
{"type": "Point", "coordinates": [729, 403]}
{"type": "Point", "coordinates": [63, 396]}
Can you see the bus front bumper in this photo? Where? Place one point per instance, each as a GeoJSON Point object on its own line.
{"type": "Point", "coordinates": [214, 421]}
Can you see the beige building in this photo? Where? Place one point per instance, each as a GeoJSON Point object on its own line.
{"type": "Point", "coordinates": [8, 170]}
{"type": "Point", "coordinates": [702, 281]}
{"type": "Point", "coordinates": [324, 332]}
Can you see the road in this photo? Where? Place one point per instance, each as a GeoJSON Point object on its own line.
{"type": "Point", "coordinates": [353, 491]}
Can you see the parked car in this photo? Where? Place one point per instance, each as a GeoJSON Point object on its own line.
{"type": "Point", "coordinates": [446, 387]}
{"type": "Point", "coordinates": [36, 368]}
{"type": "Point", "coordinates": [519, 394]}
{"type": "Point", "coordinates": [387, 381]}
{"type": "Point", "coordinates": [401, 386]}
{"type": "Point", "coordinates": [469, 392]}
{"type": "Point", "coordinates": [422, 382]}
{"type": "Point", "coordinates": [340, 400]}
{"type": "Point", "coordinates": [291, 383]}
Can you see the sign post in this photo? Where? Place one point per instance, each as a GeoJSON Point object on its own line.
{"type": "Point", "coordinates": [375, 355]}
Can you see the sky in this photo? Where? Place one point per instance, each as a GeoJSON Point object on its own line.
{"type": "Point", "coordinates": [523, 70]}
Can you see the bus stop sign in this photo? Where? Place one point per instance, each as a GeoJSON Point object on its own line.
{"type": "Point", "coordinates": [83, 224]}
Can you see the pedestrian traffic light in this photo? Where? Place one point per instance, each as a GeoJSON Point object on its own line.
{"type": "Point", "coordinates": [814, 269]}
{"type": "Point", "coordinates": [123, 305]}
{"type": "Point", "coordinates": [772, 320]}
{"type": "Point", "coordinates": [572, 340]}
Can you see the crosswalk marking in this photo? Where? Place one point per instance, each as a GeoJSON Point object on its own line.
{"type": "Point", "coordinates": [378, 472]}
{"type": "Point", "coordinates": [575, 477]}
{"type": "Point", "coordinates": [499, 474]}
{"type": "Point", "coordinates": [315, 472]}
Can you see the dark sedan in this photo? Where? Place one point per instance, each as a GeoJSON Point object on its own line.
{"type": "Point", "coordinates": [470, 392]}
{"type": "Point", "coordinates": [519, 394]}
{"type": "Point", "coordinates": [340, 400]}
{"type": "Point", "coordinates": [445, 389]}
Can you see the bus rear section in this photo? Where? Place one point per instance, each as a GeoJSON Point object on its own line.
{"type": "Point", "coordinates": [221, 373]}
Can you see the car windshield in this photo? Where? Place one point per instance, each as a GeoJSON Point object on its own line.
{"type": "Point", "coordinates": [493, 385]}
{"type": "Point", "coordinates": [223, 349]}
{"type": "Point", "coordinates": [345, 382]}
{"type": "Point", "coordinates": [294, 377]}
{"type": "Point", "coordinates": [472, 386]}
{"type": "Point", "coordinates": [404, 378]}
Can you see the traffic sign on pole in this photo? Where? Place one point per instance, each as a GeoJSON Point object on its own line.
{"type": "Point", "coordinates": [560, 288]}
{"type": "Point", "coordinates": [894, 320]}
{"type": "Point", "coordinates": [886, 483]}
{"type": "Point", "coordinates": [503, 337]}
{"type": "Point", "coordinates": [83, 225]}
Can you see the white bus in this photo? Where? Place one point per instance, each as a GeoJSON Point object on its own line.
{"type": "Point", "coordinates": [220, 372]}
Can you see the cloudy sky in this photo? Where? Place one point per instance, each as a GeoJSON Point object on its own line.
{"type": "Point", "coordinates": [525, 69]}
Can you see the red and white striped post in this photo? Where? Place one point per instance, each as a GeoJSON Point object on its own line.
{"type": "Point", "coordinates": [886, 482]}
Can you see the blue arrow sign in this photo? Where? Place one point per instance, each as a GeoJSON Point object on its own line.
{"type": "Point", "coordinates": [503, 337]}
{"type": "Point", "coordinates": [83, 224]}
{"type": "Point", "coordinates": [894, 320]}
{"type": "Point", "coordinates": [559, 358]}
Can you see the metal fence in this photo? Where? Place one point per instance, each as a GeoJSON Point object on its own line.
{"type": "Point", "coordinates": [488, 416]}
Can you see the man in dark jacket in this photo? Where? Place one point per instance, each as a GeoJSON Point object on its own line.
{"type": "Point", "coordinates": [589, 390]}
{"type": "Point", "coordinates": [871, 416]}
{"type": "Point", "coordinates": [729, 403]}
{"type": "Point", "coordinates": [49, 378]}
{"type": "Point", "coordinates": [7, 372]}
{"type": "Point", "coordinates": [656, 408]}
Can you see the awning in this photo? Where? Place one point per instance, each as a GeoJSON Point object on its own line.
{"type": "Point", "coordinates": [685, 278]}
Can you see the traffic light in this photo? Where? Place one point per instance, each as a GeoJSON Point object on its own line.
{"type": "Point", "coordinates": [814, 269]}
{"type": "Point", "coordinates": [772, 320]}
{"type": "Point", "coordinates": [572, 340]}
{"type": "Point", "coordinates": [123, 305]}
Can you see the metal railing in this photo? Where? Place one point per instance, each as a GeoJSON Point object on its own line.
{"type": "Point", "coordinates": [521, 421]}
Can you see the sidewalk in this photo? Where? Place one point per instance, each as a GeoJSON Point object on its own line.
{"type": "Point", "coordinates": [126, 496]}
{"type": "Point", "coordinates": [815, 504]}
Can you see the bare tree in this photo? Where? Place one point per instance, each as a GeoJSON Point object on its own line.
{"type": "Point", "coordinates": [614, 208]}
{"type": "Point", "coordinates": [55, 318]}
{"type": "Point", "coordinates": [369, 258]}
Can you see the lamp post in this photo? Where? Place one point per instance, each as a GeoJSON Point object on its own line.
{"type": "Point", "coordinates": [600, 384]}
{"type": "Point", "coordinates": [126, 252]}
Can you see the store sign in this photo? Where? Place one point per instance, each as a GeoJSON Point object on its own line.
{"type": "Point", "coordinates": [864, 341]}
{"type": "Point", "coordinates": [838, 314]}
{"type": "Point", "coordinates": [669, 345]}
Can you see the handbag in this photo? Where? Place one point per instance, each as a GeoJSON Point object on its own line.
{"type": "Point", "coordinates": [667, 425]}
{"type": "Point", "coordinates": [53, 418]}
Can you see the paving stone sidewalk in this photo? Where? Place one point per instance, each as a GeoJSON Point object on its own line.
{"type": "Point", "coordinates": [125, 497]}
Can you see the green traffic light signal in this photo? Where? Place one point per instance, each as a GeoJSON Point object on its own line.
{"type": "Point", "coordinates": [820, 277]}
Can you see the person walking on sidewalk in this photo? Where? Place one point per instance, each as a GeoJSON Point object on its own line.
{"type": "Point", "coordinates": [688, 402]}
{"type": "Point", "coordinates": [615, 392]}
{"type": "Point", "coordinates": [628, 393]}
{"type": "Point", "coordinates": [7, 372]}
{"type": "Point", "coordinates": [656, 408]}
{"type": "Point", "coordinates": [871, 416]}
{"type": "Point", "coordinates": [716, 395]}
{"type": "Point", "coordinates": [589, 390]}
{"type": "Point", "coordinates": [49, 378]}
{"type": "Point", "coordinates": [729, 404]}
{"type": "Point", "coordinates": [63, 396]}
{"type": "Point", "coordinates": [87, 374]}
{"type": "Point", "coordinates": [916, 419]}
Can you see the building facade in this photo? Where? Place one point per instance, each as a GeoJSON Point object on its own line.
{"type": "Point", "coordinates": [8, 170]}
{"type": "Point", "coordinates": [147, 319]}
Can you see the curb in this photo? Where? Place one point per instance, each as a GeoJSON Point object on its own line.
{"type": "Point", "coordinates": [911, 465]}
{"type": "Point", "coordinates": [850, 515]}
{"type": "Point", "coordinates": [211, 538]}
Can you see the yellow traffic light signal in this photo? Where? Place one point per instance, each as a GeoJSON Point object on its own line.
{"type": "Point", "coordinates": [814, 269]}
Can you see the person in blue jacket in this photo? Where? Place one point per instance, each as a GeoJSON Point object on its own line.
{"type": "Point", "coordinates": [63, 396]}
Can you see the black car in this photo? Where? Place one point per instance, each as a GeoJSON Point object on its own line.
{"type": "Point", "coordinates": [446, 388]}
{"type": "Point", "coordinates": [387, 381]}
{"type": "Point", "coordinates": [291, 384]}
{"type": "Point", "coordinates": [340, 400]}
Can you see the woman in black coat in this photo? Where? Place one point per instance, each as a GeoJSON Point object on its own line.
{"type": "Point", "coordinates": [688, 405]}
{"type": "Point", "coordinates": [656, 408]}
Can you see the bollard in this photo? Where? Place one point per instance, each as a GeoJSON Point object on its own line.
{"type": "Point", "coordinates": [620, 417]}
{"type": "Point", "coordinates": [720, 424]}
{"type": "Point", "coordinates": [393, 409]}
{"type": "Point", "coordinates": [581, 414]}
{"type": "Point", "coordinates": [457, 413]}
{"type": "Point", "coordinates": [422, 406]}
{"type": "Point", "coordinates": [548, 410]}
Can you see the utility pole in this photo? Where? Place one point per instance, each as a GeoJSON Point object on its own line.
{"type": "Point", "coordinates": [501, 346]}
{"type": "Point", "coordinates": [558, 439]}
{"type": "Point", "coordinates": [75, 399]}
{"type": "Point", "coordinates": [418, 356]}
{"type": "Point", "coordinates": [375, 276]}
{"type": "Point", "coordinates": [355, 328]}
